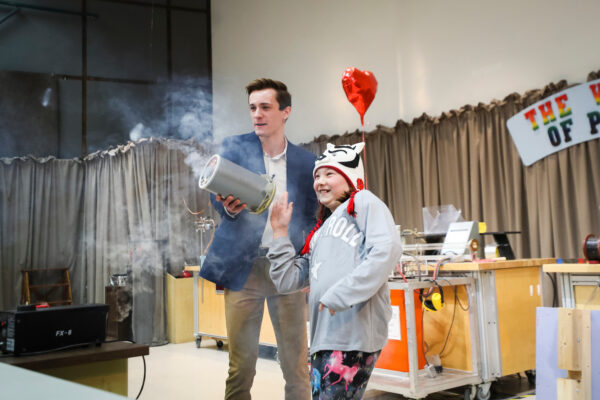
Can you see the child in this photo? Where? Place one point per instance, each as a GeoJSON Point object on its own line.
{"type": "Point", "coordinates": [346, 260]}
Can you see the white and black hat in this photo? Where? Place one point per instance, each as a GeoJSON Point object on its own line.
{"type": "Point", "coordinates": [346, 160]}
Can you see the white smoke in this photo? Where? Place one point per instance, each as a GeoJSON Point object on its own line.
{"type": "Point", "coordinates": [137, 132]}
{"type": "Point", "coordinates": [197, 163]}
{"type": "Point", "coordinates": [47, 97]}
{"type": "Point", "coordinates": [189, 125]}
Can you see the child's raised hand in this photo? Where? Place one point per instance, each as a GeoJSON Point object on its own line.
{"type": "Point", "coordinates": [281, 215]}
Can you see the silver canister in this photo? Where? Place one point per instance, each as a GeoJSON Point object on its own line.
{"type": "Point", "coordinates": [221, 176]}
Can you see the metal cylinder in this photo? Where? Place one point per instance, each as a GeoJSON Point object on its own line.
{"type": "Point", "coordinates": [591, 248]}
{"type": "Point", "coordinates": [221, 176]}
{"type": "Point", "coordinates": [491, 251]}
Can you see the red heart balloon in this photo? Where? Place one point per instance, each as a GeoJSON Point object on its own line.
{"type": "Point", "coordinates": [360, 87]}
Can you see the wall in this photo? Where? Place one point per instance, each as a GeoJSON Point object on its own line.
{"type": "Point", "coordinates": [135, 79]}
{"type": "Point", "coordinates": [428, 56]}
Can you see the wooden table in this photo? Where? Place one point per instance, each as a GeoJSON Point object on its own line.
{"type": "Point", "coordinates": [103, 367]}
{"type": "Point", "coordinates": [508, 293]}
{"type": "Point", "coordinates": [209, 313]}
{"type": "Point", "coordinates": [579, 284]}
{"type": "Point", "coordinates": [180, 303]}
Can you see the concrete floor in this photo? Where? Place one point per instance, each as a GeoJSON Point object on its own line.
{"type": "Point", "coordinates": [182, 371]}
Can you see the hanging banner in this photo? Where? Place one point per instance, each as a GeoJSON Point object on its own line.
{"type": "Point", "coordinates": [557, 122]}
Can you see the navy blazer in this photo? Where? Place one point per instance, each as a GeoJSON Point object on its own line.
{"type": "Point", "coordinates": [236, 241]}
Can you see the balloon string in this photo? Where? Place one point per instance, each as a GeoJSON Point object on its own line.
{"type": "Point", "coordinates": [365, 154]}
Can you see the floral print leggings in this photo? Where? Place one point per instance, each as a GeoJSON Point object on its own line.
{"type": "Point", "coordinates": [340, 374]}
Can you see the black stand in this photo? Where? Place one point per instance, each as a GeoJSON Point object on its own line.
{"type": "Point", "coordinates": [501, 240]}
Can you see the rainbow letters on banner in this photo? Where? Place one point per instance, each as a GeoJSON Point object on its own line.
{"type": "Point", "coordinates": [557, 122]}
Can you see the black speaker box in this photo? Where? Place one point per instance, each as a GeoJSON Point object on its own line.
{"type": "Point", "coordinates": [31, 330]}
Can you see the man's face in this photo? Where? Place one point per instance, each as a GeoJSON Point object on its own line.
{"type": "Point", "coordinates": [267, 119]}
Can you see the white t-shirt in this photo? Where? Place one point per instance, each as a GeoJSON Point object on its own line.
{"type": "Point", "coordinates": [276, 168]}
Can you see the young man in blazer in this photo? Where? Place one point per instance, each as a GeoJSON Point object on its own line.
{"type": "Point", "coordinates": [237, 259]}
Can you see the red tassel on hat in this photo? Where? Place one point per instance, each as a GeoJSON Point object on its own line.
{"type": "Point", "coordinates": [350, 208]}
{"type": "Point", "coordinates": [306, 247]}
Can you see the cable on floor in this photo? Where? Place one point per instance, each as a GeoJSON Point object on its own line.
{"type": "Point", "coordinates": [143, 380]}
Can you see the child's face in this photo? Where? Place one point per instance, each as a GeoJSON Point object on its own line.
{"type": "Point", "coordinates": [330, 186]}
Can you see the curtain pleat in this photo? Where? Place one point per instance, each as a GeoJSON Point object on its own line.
{"type": "Point", "coordinates": [39, 203]}
{"type": "Point", "coordinates": [119, 211]}
{"type": "Point", "coordinates": [126, 207]}
{"type": "Point", "coordinates": [467, 158]}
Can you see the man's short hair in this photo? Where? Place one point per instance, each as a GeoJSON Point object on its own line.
{"type": "Point", "coordinates": [284, 98]}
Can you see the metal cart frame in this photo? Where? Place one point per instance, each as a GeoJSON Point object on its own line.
{"type": "Point", "coordinates": [568, 281]}
{"type": "Point", "coordinates": [265, 348]}
{"type": "Point", "coordinates": [197, 334]}
{"type": "Point", "coordinates": [416, 383]}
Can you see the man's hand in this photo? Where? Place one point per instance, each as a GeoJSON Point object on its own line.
{"type": "Point", "coordinates": [232, 205]}
{"type": "Point", "coordinates": [281, 215]}
{"type": "Point", "coordinates": [322, 306]}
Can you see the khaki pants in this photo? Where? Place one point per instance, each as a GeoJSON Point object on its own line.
{"type": "Point", "coordinates": [244, 312]}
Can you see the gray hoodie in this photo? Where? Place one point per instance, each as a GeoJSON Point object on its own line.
{"type": "Point", "coordinates": [347, 267]}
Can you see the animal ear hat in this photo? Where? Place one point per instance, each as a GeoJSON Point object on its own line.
{"type": "Point", "coordinates": [346, 160]}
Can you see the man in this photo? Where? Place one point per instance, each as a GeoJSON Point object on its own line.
{"type": "Point", "coordinates": [237, 259]}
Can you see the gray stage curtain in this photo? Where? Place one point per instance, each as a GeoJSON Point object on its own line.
{"type": "Point", "coordinates": [39, 222]}
{"type": "Point", "coordinates": [467, 158]}
{"type": "Point", "coordinates": [113, 212]}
